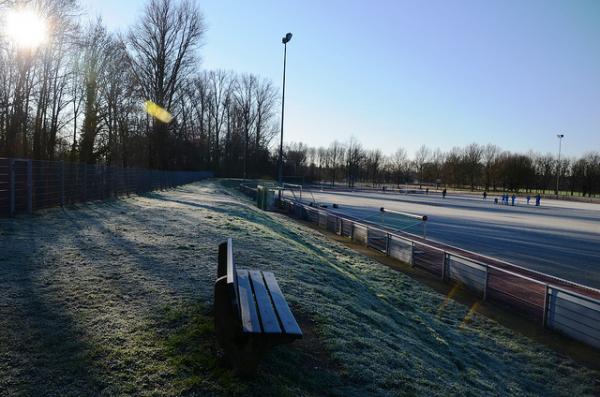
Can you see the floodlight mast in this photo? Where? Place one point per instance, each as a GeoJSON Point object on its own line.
{"type": "Point", "coordinates": [286, 39]}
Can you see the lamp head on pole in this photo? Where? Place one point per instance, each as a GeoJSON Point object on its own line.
{"type": "Point", "coordinates": [560, 136]}
{"type": "Point", "coordinates": [287, 38]}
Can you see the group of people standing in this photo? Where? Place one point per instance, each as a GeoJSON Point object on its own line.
{"type": "Point", "coordinates": [506, 198]}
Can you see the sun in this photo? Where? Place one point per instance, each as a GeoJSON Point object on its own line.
{"type": "Point", "coordinates": [26, 28]}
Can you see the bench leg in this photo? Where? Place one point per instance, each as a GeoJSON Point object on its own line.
{"type": "Point", "coordinates": [225, 319]}
{"type": "Point", "coordinates": [247, 355]}
{"type": "Point", "coordinates": [242, 351]}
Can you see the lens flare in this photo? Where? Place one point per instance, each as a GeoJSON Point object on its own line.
{"type": "Point", "coordinates": [469, 315]}
{"type": "Point", "coordinates": [158, 112]}
{"type": "Point", "coordinates": [26, 28]}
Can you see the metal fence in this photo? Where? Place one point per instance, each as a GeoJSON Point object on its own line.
{"type": "Point", "coordinates": [28, 185]}
{"type": "Point", "coordinates": [250, 191]}
{"type": "Point", "coordinates": [558, 307]}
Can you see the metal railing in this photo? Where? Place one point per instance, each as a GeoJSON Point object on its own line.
{"type": "Point", "coordinates": [568, 308]}
{"type": "Point", "coordinates": [248, 190]}
{"type": "Point", "coordinates": [28, 185]}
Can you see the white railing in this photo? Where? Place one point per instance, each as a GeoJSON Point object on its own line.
{"type": "Point", "coordinates": [554, 306]}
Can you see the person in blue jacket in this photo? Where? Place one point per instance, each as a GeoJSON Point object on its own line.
{"type": "Point", "coordinates": [514, 197]}
{"type": "Point", "coordinates": [538, 199]}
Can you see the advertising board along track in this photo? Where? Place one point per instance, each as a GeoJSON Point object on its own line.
{"type": "Point", "coordinates": [557, 304]}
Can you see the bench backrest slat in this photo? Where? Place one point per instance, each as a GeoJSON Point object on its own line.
{"type": "Point", "coordinates": [231, 273]}
{"type": "Point", "coordinates": [226, 267]}
{"type": "Point", "coordinates": [222, 265]}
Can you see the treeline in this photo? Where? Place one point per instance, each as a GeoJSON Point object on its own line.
{"type": "Point", "coordinates": [473, 167]}
{"type": "Point", "coordinates": [81, 95]}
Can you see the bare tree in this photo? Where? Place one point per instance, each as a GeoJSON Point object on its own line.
{"type": "Point", "coordinates": [421, 158]}
{"type": "Point", "coordinates": [220, 83]}
{"type": "Point", "coordinates": [437, 162]}
{"type": "Point", "coordinates": [162, 49]}
{"type": "Point", "coordinates": [96, 53]}
{"type": "Point", "coordinates": [545, 167]}
{"type": "Point", "coordinates": [373, 162]}
{"type": "Point", "coordinates": [354, 158]}
{"type": "Point", "coordinates": [296, 155]}
{"type": "Point", "coordinates": [265, 102]}
{"type": "Point", "coordinates": [336, 153]}
{"type": "Point", "coordinates": [245, 100]}
{"type": "Point", "coordinates": [400, 166]}
{"type": "Point", "coordinates": [472, 162]}
{"type": "Point", "coordinates": [490, 154]}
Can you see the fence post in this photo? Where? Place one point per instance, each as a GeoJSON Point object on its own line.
{"type": "Point", "coordinates": [84, 166]}
{"type": "Point", "coordinates": [104, 184]}
{"type": "Point", "coordinates": [485, 286]}
{"type": "Point", "coordinates": [29, 187]}
{"type": "Point", "coordinates": [108, 181]}
{"type": "Point", "coordinates": [544, 324]}
{"type": "Point", "coordinates": [113, 181]}
{"type": "Point", "coordinates": [444, 266]}
{"type": "Point", "coordinates": [387, 244]}
{"type": "Point", "coordinates": [62, 183]}
{"type": "Point", "coordinates": [11, 185]}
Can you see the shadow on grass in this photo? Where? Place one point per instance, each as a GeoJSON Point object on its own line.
{"type": "Point", "coordinates": [43, 351]}
{"type": "Point", "coordinates": [235, 210]}
{"type": "Point", "coordinates": [302, 368]}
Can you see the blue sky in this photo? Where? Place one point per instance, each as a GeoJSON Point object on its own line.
{"type": "Point", "coordinates": [406, 73]}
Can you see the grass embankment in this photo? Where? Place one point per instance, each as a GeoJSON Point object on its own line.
{"type": "Point", "coordinates": [115, 298]}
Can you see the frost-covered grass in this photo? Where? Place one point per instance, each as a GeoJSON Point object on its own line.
{"type": "Point", "coordinates": [115, 298]}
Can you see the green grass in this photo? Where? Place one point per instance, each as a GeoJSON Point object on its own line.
{"type": "Point", "coordinates": [193, 353]}
{"type": "Point", "coordinates": [115, 298]}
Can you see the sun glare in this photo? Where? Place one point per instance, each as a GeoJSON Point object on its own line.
{"type": "Point", "coordinates": [26, 28]}
{"type": "Point", "coordinates": [158, 112]}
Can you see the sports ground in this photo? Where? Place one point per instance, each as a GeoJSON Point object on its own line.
{"type": "Point", "coordinates": [559, 238]}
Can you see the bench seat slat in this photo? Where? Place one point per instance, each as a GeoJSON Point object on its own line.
{"type": "Point", "coordinates": [290, 326]}
{"type": "Point", "coordinates": [268, 318]}
{"type": "Point", "coordinates": [249, 315]}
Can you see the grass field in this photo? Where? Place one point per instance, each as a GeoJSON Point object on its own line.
{"type": "Point", "coordinates": [115, 298]}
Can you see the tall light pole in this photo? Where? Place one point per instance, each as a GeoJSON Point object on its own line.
{"type": "Point", "coordinates": [284, 40]}
{"type": "Point", "coordinates": [560, 137]}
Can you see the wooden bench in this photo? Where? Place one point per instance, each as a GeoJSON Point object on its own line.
{"type": "Point", "coordinates": [251, 314]}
